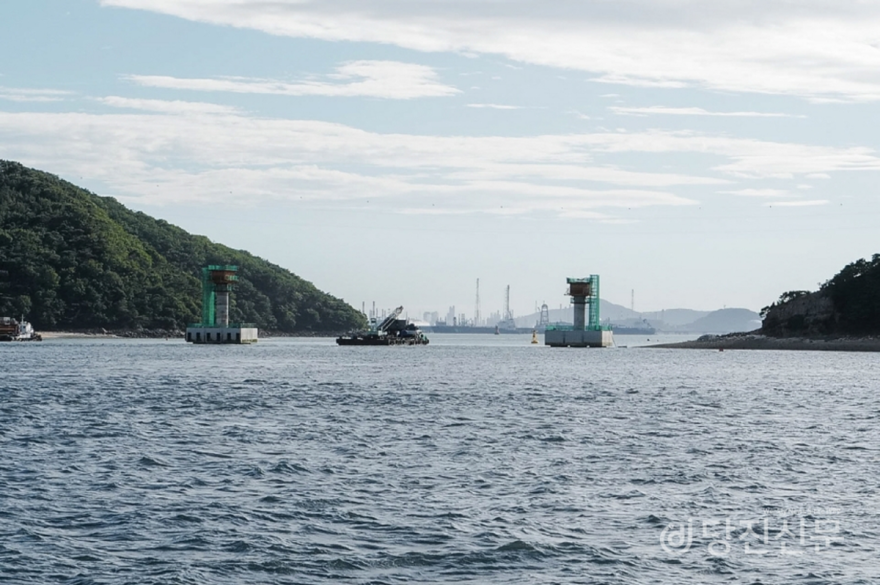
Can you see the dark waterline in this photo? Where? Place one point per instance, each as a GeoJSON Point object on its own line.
{"type": "Point", "coordinates": [490, 461]}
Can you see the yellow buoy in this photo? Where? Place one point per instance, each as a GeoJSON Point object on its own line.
{"type": "Point", "coordinates": [534, 337]}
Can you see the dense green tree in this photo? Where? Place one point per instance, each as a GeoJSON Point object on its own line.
{"type": "Point", "coordinates": [848, 304]}
{"type": "Point", "coordinates": [72, 259]}
{"type": "Point", "coordinates": [855, 292]}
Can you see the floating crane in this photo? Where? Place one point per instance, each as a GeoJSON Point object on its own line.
{"type": "Point", "coordinates": [390, 331]}
{"type": "Point", "coordinates": [389, 320]}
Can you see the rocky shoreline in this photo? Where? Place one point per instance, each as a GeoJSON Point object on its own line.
{"type": "Point", "coordinates": [755, 340]}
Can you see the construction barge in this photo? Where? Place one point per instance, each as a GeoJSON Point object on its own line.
{"type": "Point", "coordinates": [12, 330]}
{"type": "Point", "coordinates": [390, 331]}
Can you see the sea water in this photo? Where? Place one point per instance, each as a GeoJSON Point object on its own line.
{"type": "Point", "coordinates": [475, 459]}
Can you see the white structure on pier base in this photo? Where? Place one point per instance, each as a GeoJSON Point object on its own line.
{"type": "Point", "coordinates": [196, 334]}
{"type": "Point", "coordinates": [217, 283]}
{"type": "Point", "coordinates": [572, 338]}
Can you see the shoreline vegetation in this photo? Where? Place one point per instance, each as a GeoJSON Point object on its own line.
{"type": "Point", "coordinates": [73, 261]}
{"type": "Point", "coordinates": [163, 334]}
{"type": "Point", "coordinates": [754, 340]}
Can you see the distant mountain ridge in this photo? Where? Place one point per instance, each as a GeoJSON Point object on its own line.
{"type": "Point", "coordinates": [669, 320]}
{"type": "Point", "coordinates": [726, 321]}
{"type": "Point", "coordinates": [79, 261]}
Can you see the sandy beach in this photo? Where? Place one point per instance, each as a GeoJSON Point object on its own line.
{"type": "Point", "coordinates": [72, 335]}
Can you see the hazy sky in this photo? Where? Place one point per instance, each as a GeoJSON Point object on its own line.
{"type": "Point", "coordinates": [703, 153]}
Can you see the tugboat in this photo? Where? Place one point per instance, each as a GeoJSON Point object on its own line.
{"type": "Point", "coordinates": [391, 331]}
{"type": "Point", "coordinates": [12, 330]}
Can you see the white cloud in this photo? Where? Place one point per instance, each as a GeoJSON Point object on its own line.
{"type": "Point", "coordinates": [33, 95]}
{"type": "Point", "coordinates": [662, 110]}
{"type": "Point", "coordinates": [379, 79]}
{"type": "Point", "coordinates": [819, 49]}
{"type": "Point", "coordinates": [220, 156]}
{"type": "Point", "coordinates": [434, 211]}
{"type": "Point", "coordinates": [809, 203]}
{"type": "Point", "coordinates": [495, 106]}
{"type": "Point", "coordinates": [167, 107]}
{"type": "Point", "coordinates": [747, 157]}
{"type": "Point", "coordinates": [162, 158]}
{"type": "Point", "coordinates": [818, 176]}
{"type": "Point", "coordinates": [759, 193]}
{"type": "Point", "coordinates": [639, 82]}
{"type": "Point", "coordinates": [563, 208]}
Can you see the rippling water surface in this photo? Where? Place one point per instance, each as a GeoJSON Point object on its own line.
{"type": "Point", "coordinates": [474, 459]}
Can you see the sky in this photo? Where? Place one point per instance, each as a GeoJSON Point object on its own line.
{"type": "Point", "coordinates": [698, 154]}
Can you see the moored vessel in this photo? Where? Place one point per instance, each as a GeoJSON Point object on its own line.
{"type": "Point", "coordinates": [12, 330]}
{"type": "Point", "coordinates": [622, 330]}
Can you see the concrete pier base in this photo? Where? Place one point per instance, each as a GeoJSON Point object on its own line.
{"type": "Point", "coordinates": [559, 338]}
{"type": "Point", "coordinates": [221, 334]}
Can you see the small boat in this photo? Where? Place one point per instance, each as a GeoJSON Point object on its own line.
{"type": "Point", "coordinates": [390, 331]}
{"type": "Point", "coordinates": [12, 330]}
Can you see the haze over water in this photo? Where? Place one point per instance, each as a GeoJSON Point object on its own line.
{"type": "Point", "coordinates": [474, 459]}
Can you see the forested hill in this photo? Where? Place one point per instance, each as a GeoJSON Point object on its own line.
{"type": "Point", "coordinates": [79, 261]}
{"type": "Point", "coordinates": [848, 304]}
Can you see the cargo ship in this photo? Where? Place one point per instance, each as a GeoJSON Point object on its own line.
{"type": "Point", "coordinates": [390, 331]}
{"type": "Point", "coordinates": [637, 328]}
{"type": "Point", "coordinates": [12, 330]}
{"type": "Point", "coordinates": [648, 330]}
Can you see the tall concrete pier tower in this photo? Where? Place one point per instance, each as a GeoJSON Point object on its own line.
{"type": "Point", "coordinates": [217, 283]}
{"type": "Point", "coordinates": [584, 332]}
{"type": "Point", "coordinates": [223, 281]}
